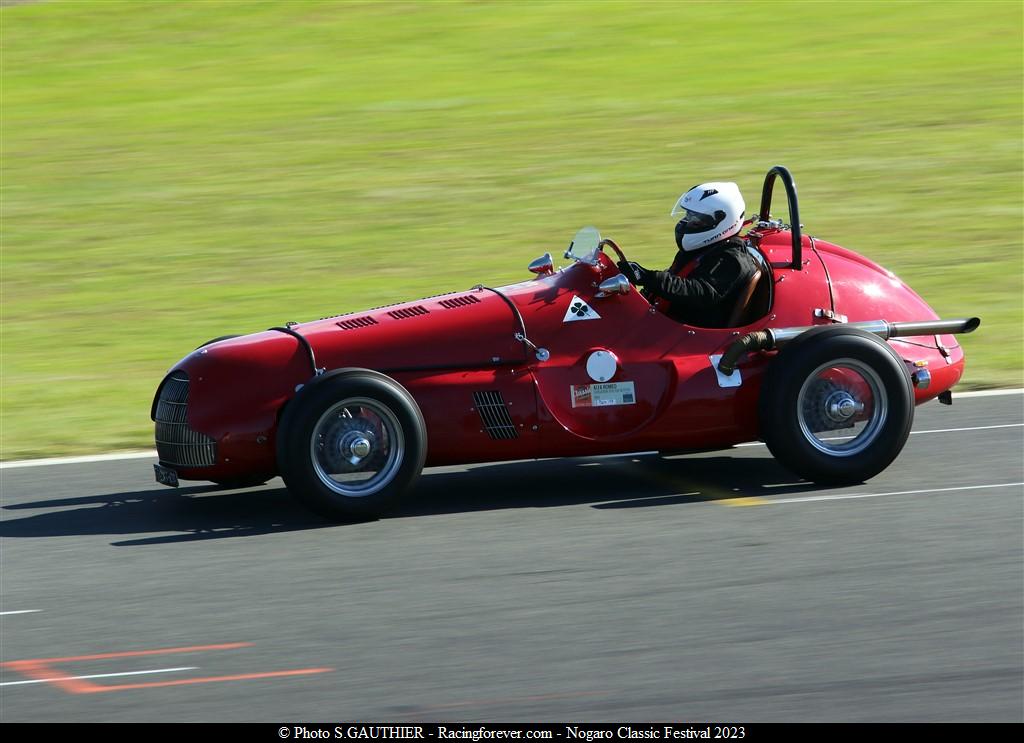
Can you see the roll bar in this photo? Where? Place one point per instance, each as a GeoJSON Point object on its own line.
{"type": "Point", "coordinates": [794, 209]}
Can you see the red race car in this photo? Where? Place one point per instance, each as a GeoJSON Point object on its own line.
{"type": "Point", "coordinates": [824, 358]}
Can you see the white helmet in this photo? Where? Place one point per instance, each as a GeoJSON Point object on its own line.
{"type": "Point", "coordinates": [708, 213]}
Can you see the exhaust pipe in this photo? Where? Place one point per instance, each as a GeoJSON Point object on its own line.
{"type": "Point", "coordinates": [770, 339]}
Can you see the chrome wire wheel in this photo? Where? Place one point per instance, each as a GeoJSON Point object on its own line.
{"type": "Point", "coordinates": [842, 407]}
{"type": "Point", "coordinates": [351, 444]}
{"type": "Point", "coordinates": [836, 405]}
{"type": "Point", "coordinates": [357, 447]}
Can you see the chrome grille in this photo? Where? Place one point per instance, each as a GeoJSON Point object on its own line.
{"type": "Point", "coordinates": [176, 444]}
{"type": "Point", "coordinates": [494, 415]}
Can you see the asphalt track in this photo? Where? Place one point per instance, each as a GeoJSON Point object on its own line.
{"type": "Point", "coordinates": [710, 587]}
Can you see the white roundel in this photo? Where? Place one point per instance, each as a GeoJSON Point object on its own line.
{"type": "Point", "coordinates": [602, 365]}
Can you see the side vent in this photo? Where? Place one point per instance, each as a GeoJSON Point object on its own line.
{"type": "Point", "coordinates": [406, 312]}
{"type": "Point", "coordinates": [455, 302]}
{"type": "Point", "coordinates": [356, 322]}
{"type": "Point", "coordinates": [494, 415]}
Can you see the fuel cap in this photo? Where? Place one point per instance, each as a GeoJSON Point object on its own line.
{"type": "Point", "coordinates": [602, 365]}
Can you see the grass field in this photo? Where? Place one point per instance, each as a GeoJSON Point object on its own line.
{"type": "Point", "coordinates": [178, 171]}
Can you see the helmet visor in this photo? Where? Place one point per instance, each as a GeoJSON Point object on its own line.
{"type": "Point", "coordinates": [697, 221]}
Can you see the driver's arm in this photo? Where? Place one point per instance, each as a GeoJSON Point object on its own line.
{"type": "Point", "coordinates": [707, 286]}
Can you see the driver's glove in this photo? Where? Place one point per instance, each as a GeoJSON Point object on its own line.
{"type": "Point", "coordinates": [636, 273]}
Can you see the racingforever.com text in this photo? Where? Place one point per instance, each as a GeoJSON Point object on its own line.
{"type": "Point", "coordinates": [587, 733]}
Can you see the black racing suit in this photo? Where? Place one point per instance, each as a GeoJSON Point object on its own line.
{"type": "Point", "coordinates": [708, 294]}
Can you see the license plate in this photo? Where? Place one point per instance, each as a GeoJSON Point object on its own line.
{"type": "Point", "coordinates": [165, 475]}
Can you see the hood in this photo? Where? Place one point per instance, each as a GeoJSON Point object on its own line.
{"type": "Point", "coordinates": [473, 328]}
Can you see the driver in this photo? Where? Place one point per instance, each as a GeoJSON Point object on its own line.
{"type": "Point", "coordinates": [712, 267]}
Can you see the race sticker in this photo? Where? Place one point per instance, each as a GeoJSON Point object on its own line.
{"type": "Point", "coordinates": [725, 380]}
{"type": "Point", "coordinates": [579, 310]}
{"type": "Point", "coordinates": [599, 395]}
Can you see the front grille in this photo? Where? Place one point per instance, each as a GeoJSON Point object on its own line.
{"type": "Point", "coordinates": [494, 415]}
{"type": "Point", "coordinates": [176, 444]}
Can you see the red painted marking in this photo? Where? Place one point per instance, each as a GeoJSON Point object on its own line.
{"type": "Point", "coordinates": [41, 670]}
{"type": "Point", "coordinates": [209, 679]}
{"type": "Point", "coordinates": [132, 653]}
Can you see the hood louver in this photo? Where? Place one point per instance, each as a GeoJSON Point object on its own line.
{"type": "Point", "coordinates": [456, 302]}
{"type": "Point", "coordinates": [406, 312]}
{"type": "Point", "coordinates": [356, 322]}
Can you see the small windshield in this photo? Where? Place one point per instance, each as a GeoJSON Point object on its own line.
{"type": "Point", "coordinates": [584, 245]}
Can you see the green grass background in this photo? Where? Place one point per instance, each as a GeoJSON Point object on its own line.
{"type": "Point", "coordinates": [177, 171]}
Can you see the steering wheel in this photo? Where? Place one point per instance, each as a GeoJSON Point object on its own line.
{"type": "Point", "coordinates": [611, 244]}
{"type": "Point", "coordinates": [622, 256]}
{"type": "Point", "coordinates": [645, 293]}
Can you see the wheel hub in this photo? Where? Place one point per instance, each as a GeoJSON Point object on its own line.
{"type": "Point", "coordinates": [840, 406]}
{"type": "Point", "coordinates": [355, 446]}
{"type": "Point", "coordinates": [349, 445]}
{"type": "Point", "coordinates": [855, 403]}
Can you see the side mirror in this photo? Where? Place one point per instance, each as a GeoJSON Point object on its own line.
{"type": "Point", "coordinates": [543, 266]}
{"type": "Point", "coordinates": [617, 284]}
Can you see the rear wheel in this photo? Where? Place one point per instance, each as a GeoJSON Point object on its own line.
{"type": "Point", "coordinates": [836, 405]}
{"type": "Point", "coordinates": [351, 444]}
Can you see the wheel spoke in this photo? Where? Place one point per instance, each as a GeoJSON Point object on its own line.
{"type": "Point", "coordinates": [357, 447]}
{"type": "Point", "coordinates": [842, 407]}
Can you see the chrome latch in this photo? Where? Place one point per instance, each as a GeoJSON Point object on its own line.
{"type": "Point", "coordinates": [821, 312]}
{"type": "Point", "coordinates": [542, 354]}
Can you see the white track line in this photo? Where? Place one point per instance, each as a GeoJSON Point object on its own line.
{"type": "Point", "coordinates": [20, 611]}
{"type": "Point", "coordinates": [969, 428]}
{"type": "Point", "coordinates": [79, 460]}
{"type": "Point", "coordinates": [855, 496]}
{"type": "Point", "coordinates": [151, 454]}
{"type": "Point", "coordinates": [914, 433]}
{"type": "Point", "coordinates": [97, 676]}
{"type": "Point", "coordinates": [987, 393]}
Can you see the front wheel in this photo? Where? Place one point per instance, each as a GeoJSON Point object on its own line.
{"type": "Point", "coordinates": [351, 444]}
{"type": "Point", "coordinates": [836, 405]}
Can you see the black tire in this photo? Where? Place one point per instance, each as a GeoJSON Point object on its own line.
{"type": "Point", "coordinates": [351, 444]}
{"type": "Point", "coordinates": [836, 405]}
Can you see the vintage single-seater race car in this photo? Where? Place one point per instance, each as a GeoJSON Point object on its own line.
{"type": "Point", "coordinates": [824, 358]}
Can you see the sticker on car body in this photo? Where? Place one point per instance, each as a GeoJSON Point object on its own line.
{"type": "Point", "coordinates": [601, 395]}
{"type": "Point", "coordinates": [725, 380]}
{"type": "Point", "coordinates": [579, 310]}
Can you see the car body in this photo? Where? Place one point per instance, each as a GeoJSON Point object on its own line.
{"type": "Point", "coordinates": [571, 362]}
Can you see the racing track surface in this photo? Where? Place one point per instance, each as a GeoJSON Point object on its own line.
{"type": "Point", "coordinates": [712, 587]}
